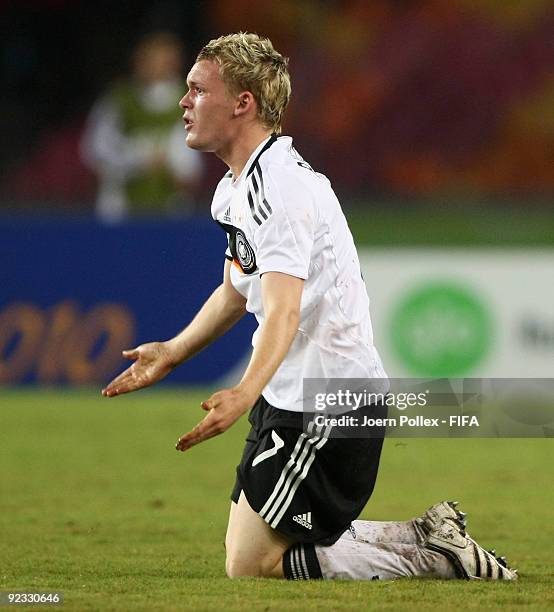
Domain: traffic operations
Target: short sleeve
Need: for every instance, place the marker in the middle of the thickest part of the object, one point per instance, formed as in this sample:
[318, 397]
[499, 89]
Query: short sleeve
[285, 238]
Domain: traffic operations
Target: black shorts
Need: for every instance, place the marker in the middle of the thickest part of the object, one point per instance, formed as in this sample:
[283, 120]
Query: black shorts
[304, 485]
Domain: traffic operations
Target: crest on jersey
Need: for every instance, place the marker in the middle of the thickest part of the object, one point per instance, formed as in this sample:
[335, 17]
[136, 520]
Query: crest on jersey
[243, 253]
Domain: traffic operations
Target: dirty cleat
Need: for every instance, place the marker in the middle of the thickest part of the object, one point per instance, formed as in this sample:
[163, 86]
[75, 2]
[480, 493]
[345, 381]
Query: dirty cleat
[470, 560]
[444, 510]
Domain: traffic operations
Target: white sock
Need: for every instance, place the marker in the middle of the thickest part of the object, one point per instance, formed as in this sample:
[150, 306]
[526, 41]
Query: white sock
[406, 532]
[354, 559]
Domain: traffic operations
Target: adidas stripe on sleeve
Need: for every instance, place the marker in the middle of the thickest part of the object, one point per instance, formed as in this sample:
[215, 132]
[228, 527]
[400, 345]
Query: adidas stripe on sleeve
[284, 235]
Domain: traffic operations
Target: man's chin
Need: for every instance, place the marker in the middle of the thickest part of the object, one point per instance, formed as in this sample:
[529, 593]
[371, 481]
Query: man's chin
[191, 142]
[198, 145]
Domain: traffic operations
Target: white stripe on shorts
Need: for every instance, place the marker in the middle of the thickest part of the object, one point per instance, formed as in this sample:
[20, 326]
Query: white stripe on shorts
[300, 478]
[294, 471]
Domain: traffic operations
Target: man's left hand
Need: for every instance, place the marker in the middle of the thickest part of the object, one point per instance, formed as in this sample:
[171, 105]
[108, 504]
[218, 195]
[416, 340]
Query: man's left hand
[224, 408]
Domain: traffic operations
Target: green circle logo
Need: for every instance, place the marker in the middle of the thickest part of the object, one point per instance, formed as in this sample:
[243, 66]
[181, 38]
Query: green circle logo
[441, 329]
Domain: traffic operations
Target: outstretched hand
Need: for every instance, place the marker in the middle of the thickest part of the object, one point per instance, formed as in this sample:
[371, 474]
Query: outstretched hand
[152, 363]
[224, 408]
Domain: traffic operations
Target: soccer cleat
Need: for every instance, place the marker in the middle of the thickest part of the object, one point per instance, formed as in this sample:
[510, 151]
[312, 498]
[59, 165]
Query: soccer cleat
[445, 510]
[470, 560]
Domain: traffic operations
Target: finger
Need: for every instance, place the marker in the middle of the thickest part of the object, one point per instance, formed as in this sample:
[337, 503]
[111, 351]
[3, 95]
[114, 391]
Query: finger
[131, 353]
[126, 386]
[122, 384]
[211, 402]
[114, 390]
[207, 428]
[118, 379]
[190, 439]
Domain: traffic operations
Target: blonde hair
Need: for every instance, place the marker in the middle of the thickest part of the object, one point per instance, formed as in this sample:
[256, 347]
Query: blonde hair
[249, 62]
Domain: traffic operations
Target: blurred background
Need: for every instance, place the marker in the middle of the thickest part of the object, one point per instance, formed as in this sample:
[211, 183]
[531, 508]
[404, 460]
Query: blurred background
[434, 121]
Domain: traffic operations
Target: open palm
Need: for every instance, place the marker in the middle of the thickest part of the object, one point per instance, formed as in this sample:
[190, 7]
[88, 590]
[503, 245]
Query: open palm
[152, 363]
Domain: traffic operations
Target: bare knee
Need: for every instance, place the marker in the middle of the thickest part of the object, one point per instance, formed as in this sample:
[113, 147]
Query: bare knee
[237, 566]
[253, 547]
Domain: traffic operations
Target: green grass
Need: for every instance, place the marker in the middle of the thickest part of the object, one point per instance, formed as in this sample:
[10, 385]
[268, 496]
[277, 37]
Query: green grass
[455, 224]
[95, 502]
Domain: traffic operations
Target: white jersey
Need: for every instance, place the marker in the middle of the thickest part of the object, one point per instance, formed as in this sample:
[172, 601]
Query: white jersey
[281, 216]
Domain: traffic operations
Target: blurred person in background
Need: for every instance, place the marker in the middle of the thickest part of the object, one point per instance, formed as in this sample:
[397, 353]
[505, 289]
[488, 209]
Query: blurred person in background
[134, 142]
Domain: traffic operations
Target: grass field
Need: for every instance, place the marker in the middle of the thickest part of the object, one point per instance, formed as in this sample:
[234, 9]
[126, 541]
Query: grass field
[95, 502]
[451, 223]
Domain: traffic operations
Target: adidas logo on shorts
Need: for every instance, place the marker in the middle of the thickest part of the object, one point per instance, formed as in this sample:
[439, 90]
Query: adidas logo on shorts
[304, 519]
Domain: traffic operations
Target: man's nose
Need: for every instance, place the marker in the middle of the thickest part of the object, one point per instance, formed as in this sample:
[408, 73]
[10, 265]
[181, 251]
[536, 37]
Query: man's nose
[184, 101]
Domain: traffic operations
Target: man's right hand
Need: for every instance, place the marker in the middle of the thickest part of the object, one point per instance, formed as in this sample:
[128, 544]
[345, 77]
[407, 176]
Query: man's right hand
[153, 361]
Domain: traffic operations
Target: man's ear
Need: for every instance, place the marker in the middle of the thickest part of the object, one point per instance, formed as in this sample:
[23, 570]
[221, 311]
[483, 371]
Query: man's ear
[245, 103]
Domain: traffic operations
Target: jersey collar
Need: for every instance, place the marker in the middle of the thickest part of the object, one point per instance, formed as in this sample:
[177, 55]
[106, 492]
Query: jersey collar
[254, 158]
[269, 142]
